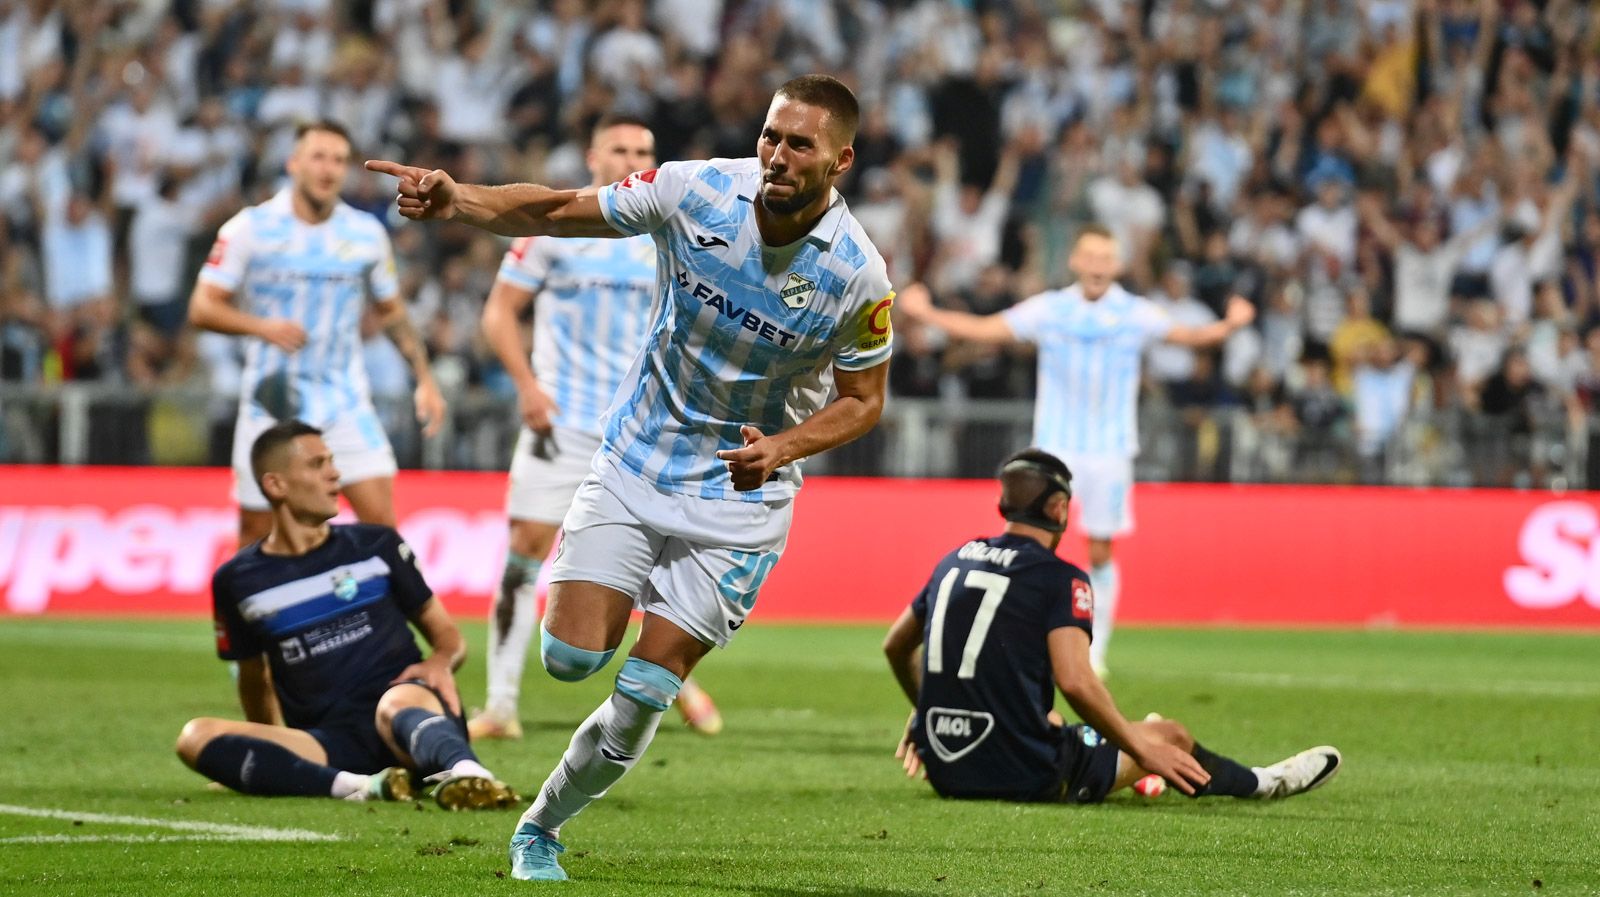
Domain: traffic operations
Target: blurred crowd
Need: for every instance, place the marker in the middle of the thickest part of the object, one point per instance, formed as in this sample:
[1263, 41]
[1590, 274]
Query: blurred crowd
[1407, 189]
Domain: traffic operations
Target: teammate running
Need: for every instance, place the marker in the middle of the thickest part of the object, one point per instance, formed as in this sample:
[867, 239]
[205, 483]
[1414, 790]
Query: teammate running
[1091, 337]
[305, 263]
[593, 304]
[999, 623]
[768, 292]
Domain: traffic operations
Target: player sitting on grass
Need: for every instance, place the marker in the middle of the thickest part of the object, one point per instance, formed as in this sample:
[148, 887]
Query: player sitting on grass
[999, 621]
[338, 699]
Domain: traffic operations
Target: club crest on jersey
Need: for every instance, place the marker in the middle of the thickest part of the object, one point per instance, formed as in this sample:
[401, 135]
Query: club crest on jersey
[1082, 600]
[344, 586]
[797, 292]
[953, 733]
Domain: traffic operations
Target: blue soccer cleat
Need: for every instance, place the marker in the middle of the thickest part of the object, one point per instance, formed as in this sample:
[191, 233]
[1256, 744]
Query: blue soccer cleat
[533, 855]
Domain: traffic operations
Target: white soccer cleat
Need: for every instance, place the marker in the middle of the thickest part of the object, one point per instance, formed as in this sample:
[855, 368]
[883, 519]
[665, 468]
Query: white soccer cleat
[1305, 771]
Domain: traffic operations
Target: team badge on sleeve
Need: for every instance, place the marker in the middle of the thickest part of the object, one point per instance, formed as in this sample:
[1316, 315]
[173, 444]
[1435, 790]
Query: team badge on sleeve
[875, 325]
[1082, 600]
[218, 248]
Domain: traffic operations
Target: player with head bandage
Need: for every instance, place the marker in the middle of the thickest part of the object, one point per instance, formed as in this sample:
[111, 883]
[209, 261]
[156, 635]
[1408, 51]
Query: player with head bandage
[1000, 626]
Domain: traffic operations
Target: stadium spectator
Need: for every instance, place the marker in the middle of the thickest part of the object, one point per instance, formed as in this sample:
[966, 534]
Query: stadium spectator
[983, 683]
[338, 701]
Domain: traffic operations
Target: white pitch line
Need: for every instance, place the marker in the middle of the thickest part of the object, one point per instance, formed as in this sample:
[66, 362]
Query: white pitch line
[1379, 683]
[118, 839]
[219, 831]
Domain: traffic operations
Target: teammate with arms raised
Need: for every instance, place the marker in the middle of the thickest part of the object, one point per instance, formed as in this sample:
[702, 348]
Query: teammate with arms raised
[304, 264]
[1002, 624]
[768, 292]
[338, 701]
[1091, 338]
[592, 303]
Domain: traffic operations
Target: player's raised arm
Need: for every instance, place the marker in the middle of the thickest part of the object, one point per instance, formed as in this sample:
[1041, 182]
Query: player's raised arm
[917, 304]
[1239, 315]
[513, 210]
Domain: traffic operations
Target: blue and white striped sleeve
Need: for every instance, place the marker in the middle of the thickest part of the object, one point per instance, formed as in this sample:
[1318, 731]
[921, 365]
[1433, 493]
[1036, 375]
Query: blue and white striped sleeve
[525, 265]
[1028, 317]
[643, 201]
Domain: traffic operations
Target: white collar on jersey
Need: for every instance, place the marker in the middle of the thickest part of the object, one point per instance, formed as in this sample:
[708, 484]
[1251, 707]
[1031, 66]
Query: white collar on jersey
[827, 228]
[282, 202]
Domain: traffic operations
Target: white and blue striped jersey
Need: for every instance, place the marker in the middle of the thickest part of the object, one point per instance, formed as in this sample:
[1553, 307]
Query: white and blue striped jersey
[741, 332]
[1089, 356]
[319, 275]
[589, 316]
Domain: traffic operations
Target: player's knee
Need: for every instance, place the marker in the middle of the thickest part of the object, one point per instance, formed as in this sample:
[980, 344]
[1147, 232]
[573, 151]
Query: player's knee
[567, 663]
[401, 697]
[649, 684]
[195, 735]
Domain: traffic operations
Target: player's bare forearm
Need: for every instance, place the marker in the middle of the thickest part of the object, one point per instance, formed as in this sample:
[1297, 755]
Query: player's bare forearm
[442, 635]
[398, 327]
[901, 647]
[211, 308]
[256, 697]
[849, 416]
[1089, 699]
[986, 329]
[502, 332]
[531, 210]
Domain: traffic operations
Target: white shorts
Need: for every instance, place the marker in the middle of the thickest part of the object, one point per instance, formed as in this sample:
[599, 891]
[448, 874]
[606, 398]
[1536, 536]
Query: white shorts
[546, 471]
[360, 449]
[1102, 494]
[698, 562]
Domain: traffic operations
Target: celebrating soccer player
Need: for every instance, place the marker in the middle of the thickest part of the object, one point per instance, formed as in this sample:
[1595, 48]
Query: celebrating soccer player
[999, 622]
[768, 293]
[592, 303]
[1091, 337]
[305, 264]
[337, 699]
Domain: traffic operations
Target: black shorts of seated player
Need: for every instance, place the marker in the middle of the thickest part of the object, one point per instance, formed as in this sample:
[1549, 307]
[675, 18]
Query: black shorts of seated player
[338, 700]
[1001, 625]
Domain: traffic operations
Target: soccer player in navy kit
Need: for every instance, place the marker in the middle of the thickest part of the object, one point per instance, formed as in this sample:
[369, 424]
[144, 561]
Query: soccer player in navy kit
[339, 701]
[1000, 624]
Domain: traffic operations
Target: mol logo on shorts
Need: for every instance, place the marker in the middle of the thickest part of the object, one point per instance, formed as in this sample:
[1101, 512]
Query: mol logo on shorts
[953, 733]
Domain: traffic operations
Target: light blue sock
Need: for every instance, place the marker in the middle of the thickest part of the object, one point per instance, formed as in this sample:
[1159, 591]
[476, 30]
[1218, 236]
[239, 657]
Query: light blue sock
[1106, 582]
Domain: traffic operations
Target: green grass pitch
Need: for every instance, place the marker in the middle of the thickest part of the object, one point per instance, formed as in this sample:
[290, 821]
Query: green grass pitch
[1472, 767]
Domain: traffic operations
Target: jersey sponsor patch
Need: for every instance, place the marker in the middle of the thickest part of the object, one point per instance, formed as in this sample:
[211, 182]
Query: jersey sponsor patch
[1082, 600]
[876, 328]
[221, 630]
[954, 733]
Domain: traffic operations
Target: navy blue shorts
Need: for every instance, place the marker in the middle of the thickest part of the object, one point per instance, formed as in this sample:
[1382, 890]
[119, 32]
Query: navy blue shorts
[1087, 763]
[351, 739]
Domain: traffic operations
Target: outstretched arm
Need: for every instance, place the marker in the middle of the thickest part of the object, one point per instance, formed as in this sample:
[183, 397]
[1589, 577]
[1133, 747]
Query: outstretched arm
[513, 210]
[1240, 314]
[917, 304]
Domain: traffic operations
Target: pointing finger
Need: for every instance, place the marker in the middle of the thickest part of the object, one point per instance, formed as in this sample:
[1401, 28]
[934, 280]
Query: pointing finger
[394, 169]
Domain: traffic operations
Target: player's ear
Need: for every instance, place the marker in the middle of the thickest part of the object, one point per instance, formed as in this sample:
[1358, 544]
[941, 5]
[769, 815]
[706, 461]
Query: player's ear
[272, 486]
[846, 161]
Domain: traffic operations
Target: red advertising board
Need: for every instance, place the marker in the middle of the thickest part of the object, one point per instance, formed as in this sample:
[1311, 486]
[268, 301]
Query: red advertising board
[145, 540]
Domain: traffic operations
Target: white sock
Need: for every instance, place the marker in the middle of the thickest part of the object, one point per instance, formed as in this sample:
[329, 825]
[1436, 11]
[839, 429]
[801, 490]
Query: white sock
[346, 784]
[470, 768]
[606, 746]
[511, 624]
[1105, 580]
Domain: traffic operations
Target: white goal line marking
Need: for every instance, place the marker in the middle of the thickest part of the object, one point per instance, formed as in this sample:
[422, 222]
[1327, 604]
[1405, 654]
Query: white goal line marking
[202, 831]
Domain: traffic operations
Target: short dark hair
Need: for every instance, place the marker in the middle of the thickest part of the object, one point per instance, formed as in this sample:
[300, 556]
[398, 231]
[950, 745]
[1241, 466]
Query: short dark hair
[828, 93]
[1027, 480]
[267, 451]
[616, 120]
[326, 125]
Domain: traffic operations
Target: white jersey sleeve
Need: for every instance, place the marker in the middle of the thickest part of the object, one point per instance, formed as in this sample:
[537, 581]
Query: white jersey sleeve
[1028, 317]
[1152, 321]
[230, 253]
[642, 202]
[526, 264]
[866, 339]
